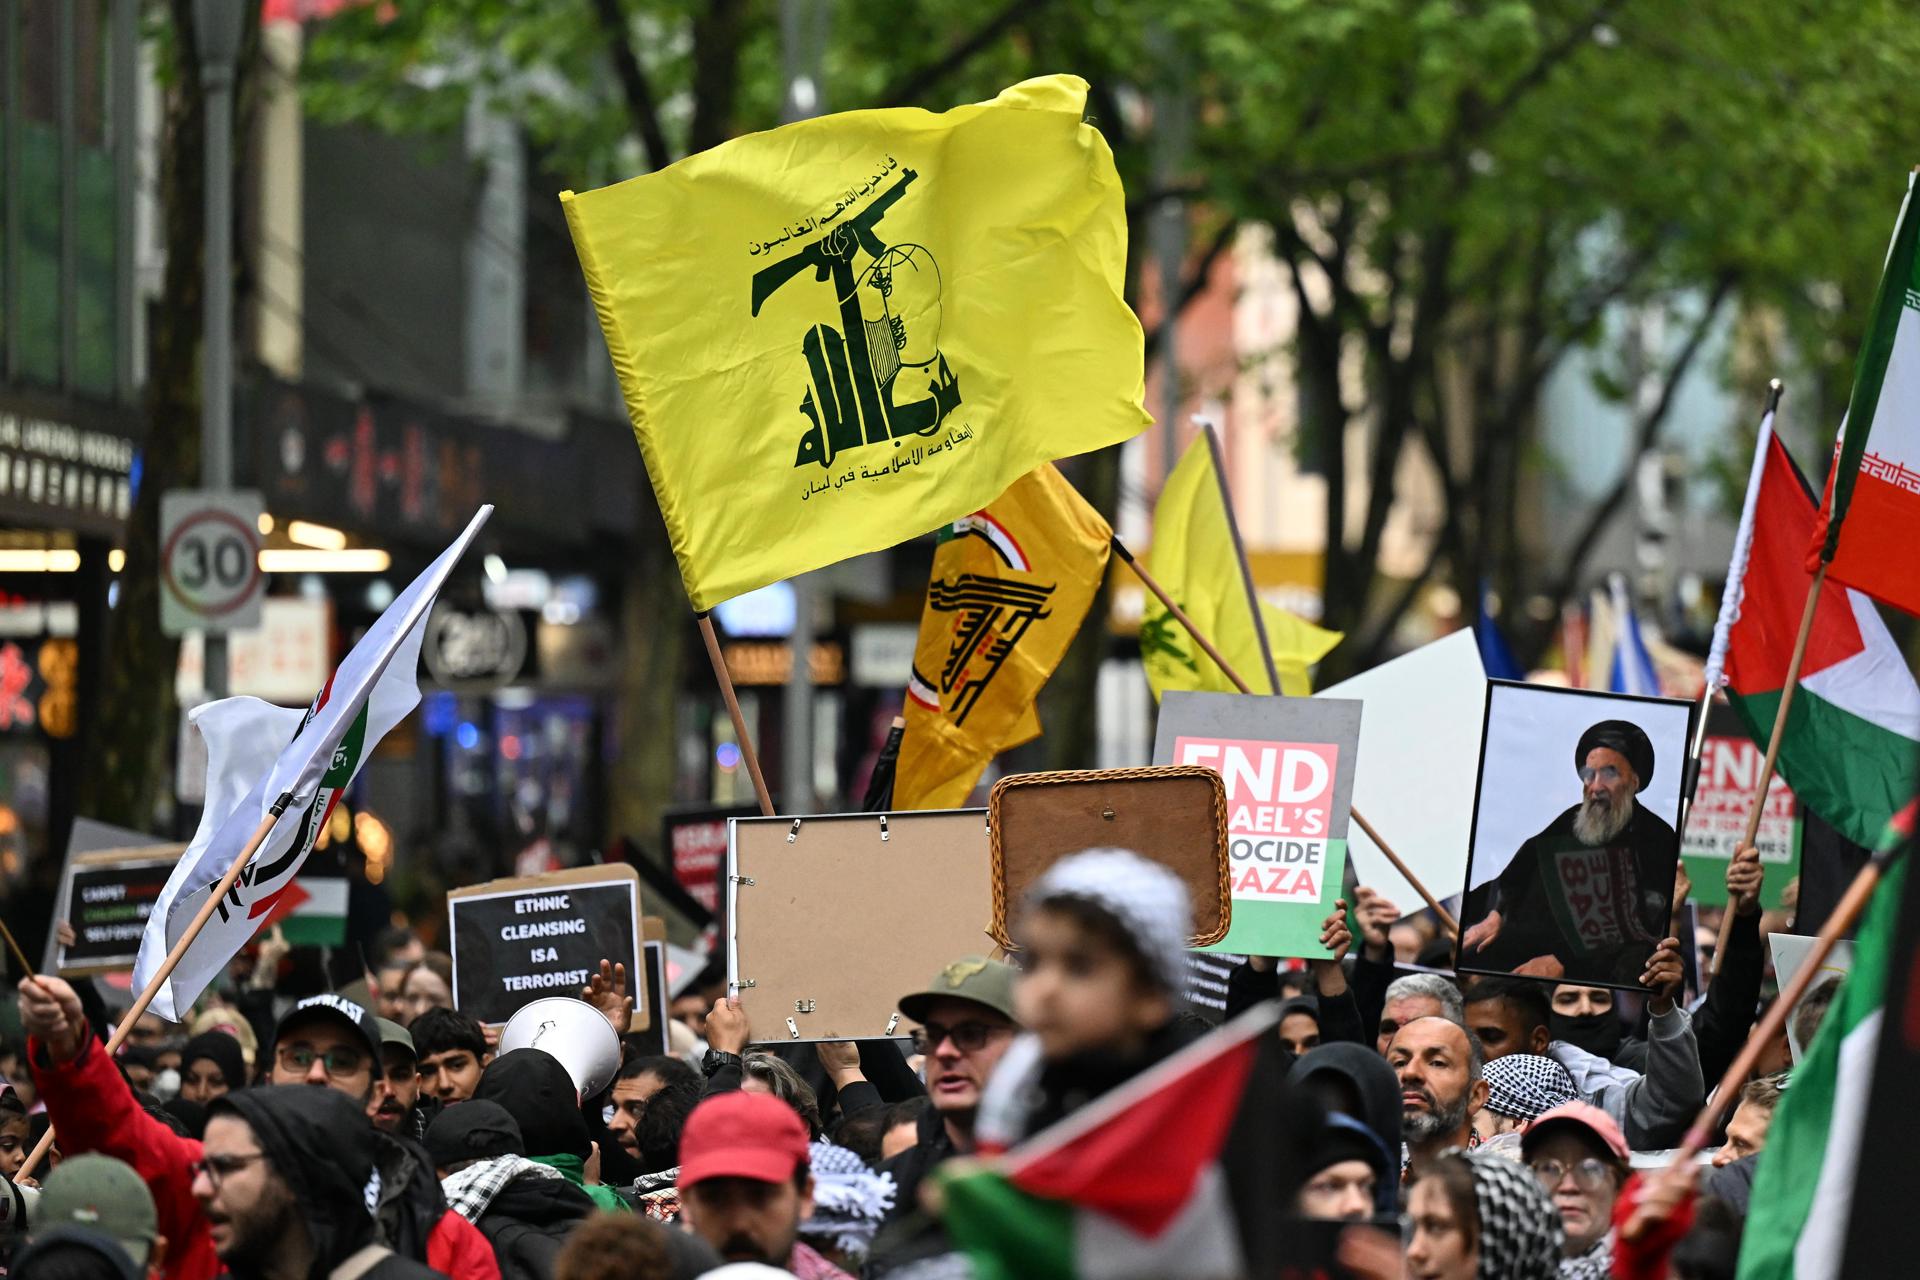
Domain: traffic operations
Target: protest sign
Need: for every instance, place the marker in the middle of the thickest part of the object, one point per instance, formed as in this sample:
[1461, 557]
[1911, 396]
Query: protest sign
[652, 1038]
[1204, 982]
[1790, 951]
[811, 955]
[1730, 764]
[696, 843]
[89, 836]
[1574, 845]
[1288, 766]
[1414, 777]
[105, 898]
[518, 939]
[1174, 815]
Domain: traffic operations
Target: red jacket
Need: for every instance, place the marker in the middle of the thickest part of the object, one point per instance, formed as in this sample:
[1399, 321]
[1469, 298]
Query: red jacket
[92, 1109]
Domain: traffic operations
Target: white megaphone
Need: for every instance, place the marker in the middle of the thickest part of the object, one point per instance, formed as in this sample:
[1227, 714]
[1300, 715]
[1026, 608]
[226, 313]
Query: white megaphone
[577, 1035]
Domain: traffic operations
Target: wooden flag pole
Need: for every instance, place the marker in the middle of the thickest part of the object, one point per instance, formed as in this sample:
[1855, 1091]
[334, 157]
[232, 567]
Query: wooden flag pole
[1240, 554]
[1773, 741]
[1166, 601]
[733, 709]
[1770, 1025]
[19, 956]
[174, 957]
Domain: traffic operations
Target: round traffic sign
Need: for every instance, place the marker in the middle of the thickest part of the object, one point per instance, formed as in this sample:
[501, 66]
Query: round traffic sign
[211, 564]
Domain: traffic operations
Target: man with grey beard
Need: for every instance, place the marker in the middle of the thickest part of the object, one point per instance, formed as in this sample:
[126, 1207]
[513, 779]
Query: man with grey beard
[1586, 899]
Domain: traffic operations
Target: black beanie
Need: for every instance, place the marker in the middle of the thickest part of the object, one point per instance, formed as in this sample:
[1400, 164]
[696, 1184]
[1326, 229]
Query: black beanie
[539, 1094]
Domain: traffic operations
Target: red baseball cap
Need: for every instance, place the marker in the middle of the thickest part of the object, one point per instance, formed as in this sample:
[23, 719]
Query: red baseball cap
[742, 1135]
[1588, 1117]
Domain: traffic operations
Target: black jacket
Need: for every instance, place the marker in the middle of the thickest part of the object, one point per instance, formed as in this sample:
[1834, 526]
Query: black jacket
[908, 1234]
[528, 1221]
[1338, 1016]
[319, 1142]
[410, 1204]
[1356, 1081]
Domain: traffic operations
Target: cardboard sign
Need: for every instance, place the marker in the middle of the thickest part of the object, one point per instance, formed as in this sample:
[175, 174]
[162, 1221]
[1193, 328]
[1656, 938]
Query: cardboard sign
[837, 917]
[87, 837]
[1419, 756]
[1288, 765]
[1730, 764]
[696, 842]
[105, 898]
[652, 1039]
[1790, 951]
[519, 939]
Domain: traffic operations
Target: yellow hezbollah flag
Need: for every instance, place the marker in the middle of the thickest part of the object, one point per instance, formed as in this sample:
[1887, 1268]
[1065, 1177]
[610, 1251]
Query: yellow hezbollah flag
[838, 334]
[1195, 559]
[1009, 588]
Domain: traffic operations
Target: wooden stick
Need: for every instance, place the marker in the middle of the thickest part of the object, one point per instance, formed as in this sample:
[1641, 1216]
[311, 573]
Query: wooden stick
[1240, 553]
[19, 956]
[174, 957]
[1179, 614]
[1773, 742]
[1446, 920]
[733, 709]
[1843, 918]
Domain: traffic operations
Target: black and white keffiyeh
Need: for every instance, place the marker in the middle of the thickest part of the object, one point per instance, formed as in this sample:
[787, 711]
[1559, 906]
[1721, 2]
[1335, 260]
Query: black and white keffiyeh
[1520, 1231]
[473, 1188]
[849, 1199]
[1520, 1086]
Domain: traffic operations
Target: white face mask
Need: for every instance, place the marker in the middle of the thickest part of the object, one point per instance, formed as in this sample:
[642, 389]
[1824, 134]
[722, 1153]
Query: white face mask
[166, 1085]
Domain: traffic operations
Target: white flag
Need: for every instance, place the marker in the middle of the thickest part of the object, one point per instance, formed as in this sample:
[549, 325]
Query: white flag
[371, 691]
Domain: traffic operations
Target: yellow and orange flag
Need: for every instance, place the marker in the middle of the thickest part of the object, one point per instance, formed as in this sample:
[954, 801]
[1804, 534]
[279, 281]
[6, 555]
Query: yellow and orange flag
[1010, 587]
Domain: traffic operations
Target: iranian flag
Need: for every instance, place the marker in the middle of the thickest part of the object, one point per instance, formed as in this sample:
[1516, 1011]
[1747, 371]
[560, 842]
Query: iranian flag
[1803, 1192]
[266, 762]
[1135, 1184]
[1852, 738]
[1874, 486]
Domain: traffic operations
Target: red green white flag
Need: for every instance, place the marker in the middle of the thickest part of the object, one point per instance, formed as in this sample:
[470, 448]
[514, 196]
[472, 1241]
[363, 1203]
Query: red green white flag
[1852, 739]
[1131, 1185]
[1874, 486]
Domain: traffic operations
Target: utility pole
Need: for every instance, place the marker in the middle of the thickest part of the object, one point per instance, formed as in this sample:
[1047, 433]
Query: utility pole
[217, 30]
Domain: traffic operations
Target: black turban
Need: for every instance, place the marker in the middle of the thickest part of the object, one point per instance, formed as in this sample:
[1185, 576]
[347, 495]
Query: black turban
[1625, 737]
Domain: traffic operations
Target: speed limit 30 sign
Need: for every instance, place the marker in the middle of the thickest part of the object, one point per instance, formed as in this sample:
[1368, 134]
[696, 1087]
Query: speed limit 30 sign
[209, 561]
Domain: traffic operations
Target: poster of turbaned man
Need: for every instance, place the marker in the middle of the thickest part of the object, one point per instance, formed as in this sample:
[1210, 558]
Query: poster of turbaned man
[1570, 874]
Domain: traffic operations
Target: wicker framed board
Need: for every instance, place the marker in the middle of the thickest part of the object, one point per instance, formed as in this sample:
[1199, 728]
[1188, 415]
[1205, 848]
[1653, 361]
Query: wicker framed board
[1287, 766]
[1176, 815]
[815, 952]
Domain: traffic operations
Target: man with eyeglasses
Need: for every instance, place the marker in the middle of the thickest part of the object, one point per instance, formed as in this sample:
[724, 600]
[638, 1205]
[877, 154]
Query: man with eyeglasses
[281, 1182]
[330, 1040]
[1586, 899]
[966, 1018]
[1580, 1157]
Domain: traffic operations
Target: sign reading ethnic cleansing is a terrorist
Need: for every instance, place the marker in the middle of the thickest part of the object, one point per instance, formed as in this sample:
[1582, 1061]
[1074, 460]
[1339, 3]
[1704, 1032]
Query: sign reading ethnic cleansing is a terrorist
[1570, 875]
[517, 940]
[1288, 767]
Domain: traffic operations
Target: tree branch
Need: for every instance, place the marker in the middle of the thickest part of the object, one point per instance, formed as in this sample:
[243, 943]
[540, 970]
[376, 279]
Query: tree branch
[1645, 437]
[908, 89]
[1195, 282]
[633, 82]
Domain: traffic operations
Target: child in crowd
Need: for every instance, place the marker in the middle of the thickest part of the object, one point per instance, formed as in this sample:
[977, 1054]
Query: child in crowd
[1102, 938]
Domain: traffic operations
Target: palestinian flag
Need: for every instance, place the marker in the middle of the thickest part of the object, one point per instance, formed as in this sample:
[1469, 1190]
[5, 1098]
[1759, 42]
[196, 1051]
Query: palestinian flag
[1852, 739]
[1875, 482]
[1803, 1191]
[1135, 1184]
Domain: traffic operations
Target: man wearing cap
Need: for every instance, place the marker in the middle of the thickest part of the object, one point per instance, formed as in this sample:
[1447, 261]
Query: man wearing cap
[1587, 897]
[1580, 1157]
[324, 1040]
[746, 1183]
[966, 1022]
[397, 1105]
[100, 1203]
[525, 1210]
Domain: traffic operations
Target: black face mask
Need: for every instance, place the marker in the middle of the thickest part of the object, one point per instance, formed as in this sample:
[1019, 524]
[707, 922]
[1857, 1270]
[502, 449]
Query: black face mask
[1597, 1033]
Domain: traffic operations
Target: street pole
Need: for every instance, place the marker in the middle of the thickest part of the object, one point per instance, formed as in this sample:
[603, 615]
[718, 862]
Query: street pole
[1172, 129]
[217, 29]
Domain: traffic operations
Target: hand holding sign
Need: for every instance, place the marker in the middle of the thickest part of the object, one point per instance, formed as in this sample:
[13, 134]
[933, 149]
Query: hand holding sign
[1664, 974]
[1376, 917]
[727, 1028]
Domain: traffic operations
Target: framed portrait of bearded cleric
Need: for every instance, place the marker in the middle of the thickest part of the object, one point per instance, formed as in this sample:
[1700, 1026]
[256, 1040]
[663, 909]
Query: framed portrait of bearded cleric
[1570, 870]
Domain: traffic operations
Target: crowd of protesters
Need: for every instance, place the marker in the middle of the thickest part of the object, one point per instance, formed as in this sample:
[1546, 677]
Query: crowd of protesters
[1490, 1127]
